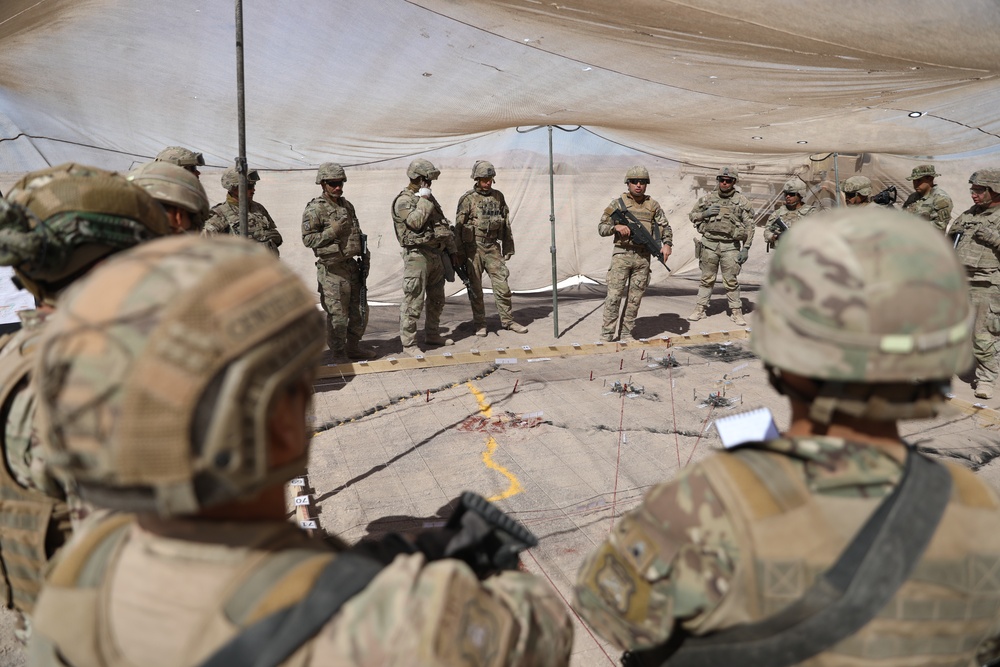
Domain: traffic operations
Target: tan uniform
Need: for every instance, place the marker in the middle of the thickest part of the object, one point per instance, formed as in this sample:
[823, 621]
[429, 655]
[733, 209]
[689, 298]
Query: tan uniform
[978, 249]
[935, 206]
[225, 219]
[174, 597]
[482, 228]
[773, 230]
[722, 238]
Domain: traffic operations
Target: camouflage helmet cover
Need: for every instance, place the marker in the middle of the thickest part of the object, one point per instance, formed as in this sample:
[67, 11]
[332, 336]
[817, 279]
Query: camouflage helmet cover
[157, 384]
[987, 178]
[173, 185]
[637, 171]
[330, 171]
[421, 168]
[231, 178]
[180, 156]
[728, 172]
[859, 184]
[864, 296]
[483, 169]
[795, 185]
[920, 171]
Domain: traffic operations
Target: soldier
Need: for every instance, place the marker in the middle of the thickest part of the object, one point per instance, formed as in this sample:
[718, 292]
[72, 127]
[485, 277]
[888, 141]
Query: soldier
[179, 192]
[427, 241]
[857, 190]
[977, 242]
[628, 274]
[330, 227]
[204, 567]
[482, 231]
[724, 218]
[225, 217]
[182, 157]
[928, 200]
[757, 556]
[56, 225]
[790, 212]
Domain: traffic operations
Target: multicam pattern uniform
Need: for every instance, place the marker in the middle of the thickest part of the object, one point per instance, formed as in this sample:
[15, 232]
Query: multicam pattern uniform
[628, 275]
[722, 237]
[482, 231]
[978, 249]
[739, 536]
[424, 233]
[223, 577]
[935, 206]
[331, 229]
[772, 231]
[225, 219]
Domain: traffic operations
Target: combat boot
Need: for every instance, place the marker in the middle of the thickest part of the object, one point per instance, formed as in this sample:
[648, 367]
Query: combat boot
[984, 390]
[737, 316]
[626, 337]
[437, 340]
[481, 330]
[698, 314]
[516, 328]
[354, 350]
[338, 356]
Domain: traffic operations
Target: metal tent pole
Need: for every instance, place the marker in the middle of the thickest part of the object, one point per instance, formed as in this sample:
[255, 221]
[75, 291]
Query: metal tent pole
[241, 160]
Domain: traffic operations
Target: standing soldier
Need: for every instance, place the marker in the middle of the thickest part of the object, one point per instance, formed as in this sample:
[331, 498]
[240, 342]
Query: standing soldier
[428, 242]
[837, 543]
[330, 227]
[482, 230]
[179, 192]
[724, 218]
[182, 157]
[787, 214]
[928, 200]
[225, 217]
[977, 243]
[857, 190]
[628, 275]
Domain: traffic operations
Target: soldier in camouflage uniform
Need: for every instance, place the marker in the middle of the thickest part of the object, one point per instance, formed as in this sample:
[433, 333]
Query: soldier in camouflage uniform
[628, 275]
[857, 190]
[203, 549]
[978, 247]
[427, 241]
[725, 220]
[225, 217]
[484, 238]
[928, 200]
[741, 536]
[789, 213]
[179, 192]
[182, 157]
[56, 225]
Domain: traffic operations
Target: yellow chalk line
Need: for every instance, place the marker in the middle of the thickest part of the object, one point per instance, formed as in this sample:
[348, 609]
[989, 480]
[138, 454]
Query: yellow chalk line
[491, 446]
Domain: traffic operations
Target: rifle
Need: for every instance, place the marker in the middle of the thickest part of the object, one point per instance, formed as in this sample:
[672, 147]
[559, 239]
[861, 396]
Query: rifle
[782, 228]
[639, 234]
[364, 264]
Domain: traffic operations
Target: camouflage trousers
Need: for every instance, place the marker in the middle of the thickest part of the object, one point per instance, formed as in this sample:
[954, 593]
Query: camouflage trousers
[340, 296]
[985, 299]
[423, 280]
[490, 260]
[716, 255]
[628, 277]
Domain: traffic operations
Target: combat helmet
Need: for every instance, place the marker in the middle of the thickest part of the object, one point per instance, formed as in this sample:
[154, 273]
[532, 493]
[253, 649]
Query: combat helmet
[173, 185]
[180, 156]
[329, 171]
[421, 168]
[57, 223]
[728, 172]
[920, 171]
[795, 185]
[156, 391]
[987, 178]
[870, 306]
[483, 169]
[231, 178]
[637, 171]
[862, 185]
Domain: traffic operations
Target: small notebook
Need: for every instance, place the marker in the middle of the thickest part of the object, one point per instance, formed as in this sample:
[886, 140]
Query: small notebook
[752, 426]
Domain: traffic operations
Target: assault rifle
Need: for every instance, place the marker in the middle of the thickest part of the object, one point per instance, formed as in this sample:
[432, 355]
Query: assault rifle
[782, 228]
[639, 235]
[364, 263]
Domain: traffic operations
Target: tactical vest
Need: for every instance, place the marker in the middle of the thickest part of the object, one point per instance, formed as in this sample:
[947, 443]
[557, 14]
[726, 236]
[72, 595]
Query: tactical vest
[977, 257]
[645, 216]
[348, 242]
[489, 215]
[32, 525]
[725, 225]
[788, 537]
[409, 238]
[934, 207]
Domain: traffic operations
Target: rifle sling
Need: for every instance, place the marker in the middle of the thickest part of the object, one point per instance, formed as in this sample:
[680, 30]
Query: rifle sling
[271, 640]
[846, 597]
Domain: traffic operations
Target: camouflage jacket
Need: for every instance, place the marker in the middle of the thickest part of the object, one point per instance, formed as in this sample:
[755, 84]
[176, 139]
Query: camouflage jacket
[483, 219]
[740, 535]
[225, 219]
[331, 228]
[419, 221]
[649, 213]
[734, 222]
[935, 206]
[773, 230]
[978, 242]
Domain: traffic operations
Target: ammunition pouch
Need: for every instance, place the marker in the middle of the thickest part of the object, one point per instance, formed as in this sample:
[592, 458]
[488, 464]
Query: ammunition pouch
[722, 224]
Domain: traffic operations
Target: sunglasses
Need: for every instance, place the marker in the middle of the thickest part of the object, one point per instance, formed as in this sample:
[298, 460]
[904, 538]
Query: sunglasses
[637, 181]
[791, 193]
[727, 180]
[333, 184]
[852, 195]
[978, 190]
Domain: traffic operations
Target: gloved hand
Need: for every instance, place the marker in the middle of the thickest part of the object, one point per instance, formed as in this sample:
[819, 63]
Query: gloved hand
[743, 256]
[424, 192]
[987, 234]
[711, 212]
[507, 256]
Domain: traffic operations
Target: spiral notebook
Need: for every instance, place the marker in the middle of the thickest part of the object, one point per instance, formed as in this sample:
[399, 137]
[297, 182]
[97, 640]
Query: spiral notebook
[751, 426]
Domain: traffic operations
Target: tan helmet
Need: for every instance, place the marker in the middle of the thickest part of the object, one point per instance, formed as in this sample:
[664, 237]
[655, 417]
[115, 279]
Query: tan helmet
[923, 170]
[159, 370]
[170, 184]
[59, 222]
[987, 178]
[180, 156]
[728, 172]
[329, 171]
[862, 185]
[483, 169]
[637, 171]
[231, 178]
[795, 185]
[872, 307]
[421, 168]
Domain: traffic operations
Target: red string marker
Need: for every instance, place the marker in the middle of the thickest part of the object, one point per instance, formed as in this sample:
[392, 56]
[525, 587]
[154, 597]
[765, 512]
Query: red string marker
[643, 356]
[621, 365]
[428, 395]
[515, 385]
[591, 376]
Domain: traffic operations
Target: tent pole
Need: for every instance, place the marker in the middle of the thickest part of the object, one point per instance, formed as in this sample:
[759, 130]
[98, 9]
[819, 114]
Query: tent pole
[836, 181]
[552, 247]
[241, 161]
